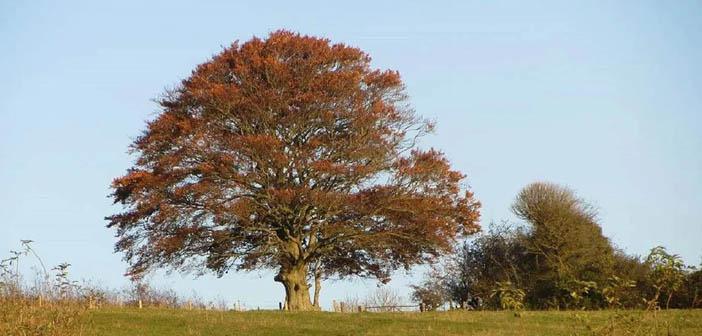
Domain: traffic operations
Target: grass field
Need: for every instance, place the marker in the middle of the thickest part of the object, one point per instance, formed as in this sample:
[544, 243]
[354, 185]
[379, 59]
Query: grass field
[109, 322]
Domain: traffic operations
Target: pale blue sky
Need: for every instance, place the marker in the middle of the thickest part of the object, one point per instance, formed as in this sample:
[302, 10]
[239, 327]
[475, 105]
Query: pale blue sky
[602, 96]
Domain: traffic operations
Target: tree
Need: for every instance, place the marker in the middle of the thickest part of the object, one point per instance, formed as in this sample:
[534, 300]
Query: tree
[667, 273]
[431, 293]
[616, 289]
[282, 153]
[631, 268]
[693, 284]
[510, 297]
[467, 277]
[566, 244]
[496, 255]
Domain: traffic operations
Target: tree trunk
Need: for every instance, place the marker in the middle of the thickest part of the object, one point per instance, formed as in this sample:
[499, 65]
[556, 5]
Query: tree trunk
[297, 292]
[317, 288]
[654, 301]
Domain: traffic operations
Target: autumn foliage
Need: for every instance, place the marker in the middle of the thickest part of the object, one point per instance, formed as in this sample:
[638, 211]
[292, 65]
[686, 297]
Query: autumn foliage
[289, 153]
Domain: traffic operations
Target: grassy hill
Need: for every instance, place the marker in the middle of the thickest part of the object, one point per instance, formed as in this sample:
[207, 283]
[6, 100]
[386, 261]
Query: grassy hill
[114, 322]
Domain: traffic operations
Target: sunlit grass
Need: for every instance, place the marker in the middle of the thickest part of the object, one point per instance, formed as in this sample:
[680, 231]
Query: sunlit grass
[27, 317]
[199, 322]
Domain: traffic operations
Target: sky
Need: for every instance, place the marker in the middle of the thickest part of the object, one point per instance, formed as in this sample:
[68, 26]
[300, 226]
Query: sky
[600, 96]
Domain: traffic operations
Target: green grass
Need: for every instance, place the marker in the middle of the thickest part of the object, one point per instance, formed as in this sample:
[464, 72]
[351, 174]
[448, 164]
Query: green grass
[108, 322]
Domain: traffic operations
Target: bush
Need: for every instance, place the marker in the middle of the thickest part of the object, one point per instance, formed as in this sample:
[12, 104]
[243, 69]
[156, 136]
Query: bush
[431, 295]
[509, 296]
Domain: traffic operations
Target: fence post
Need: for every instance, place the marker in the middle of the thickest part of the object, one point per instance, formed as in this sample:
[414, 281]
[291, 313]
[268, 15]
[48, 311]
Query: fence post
[280, 306]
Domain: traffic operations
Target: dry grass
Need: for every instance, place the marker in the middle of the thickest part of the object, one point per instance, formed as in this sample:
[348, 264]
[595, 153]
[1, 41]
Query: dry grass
[20, 316]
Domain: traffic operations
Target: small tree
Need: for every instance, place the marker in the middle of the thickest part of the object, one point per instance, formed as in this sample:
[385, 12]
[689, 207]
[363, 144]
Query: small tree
[430, 294]
[615, 289]
[495, 255]
[509, 296]
[667, 273]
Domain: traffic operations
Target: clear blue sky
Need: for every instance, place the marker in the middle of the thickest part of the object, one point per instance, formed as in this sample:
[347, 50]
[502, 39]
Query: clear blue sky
[602, 96]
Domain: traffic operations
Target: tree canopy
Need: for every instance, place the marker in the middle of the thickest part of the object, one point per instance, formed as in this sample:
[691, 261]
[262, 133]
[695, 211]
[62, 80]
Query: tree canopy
[289, 153]
[565, 242]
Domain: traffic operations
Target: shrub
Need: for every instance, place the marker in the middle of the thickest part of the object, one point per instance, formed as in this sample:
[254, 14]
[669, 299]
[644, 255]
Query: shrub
[431, 295]
[510, 297]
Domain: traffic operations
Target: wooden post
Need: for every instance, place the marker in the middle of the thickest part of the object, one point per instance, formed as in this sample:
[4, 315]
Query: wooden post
[280, 306]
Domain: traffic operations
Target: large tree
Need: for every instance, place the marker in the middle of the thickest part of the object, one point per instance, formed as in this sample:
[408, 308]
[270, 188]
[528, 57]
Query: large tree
[568, 250]
[288, 153]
